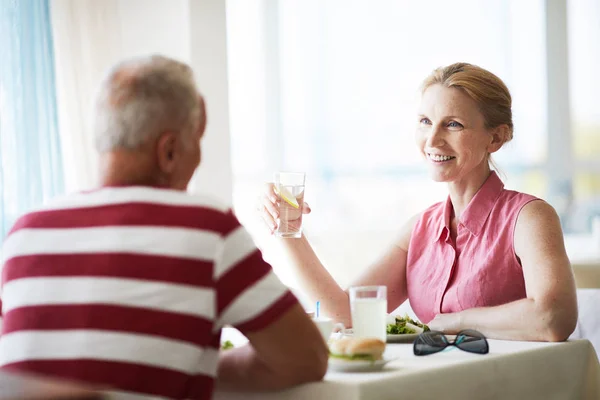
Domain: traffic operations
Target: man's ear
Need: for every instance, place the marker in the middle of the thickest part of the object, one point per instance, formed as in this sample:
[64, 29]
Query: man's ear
[165, 151]
[500, 135]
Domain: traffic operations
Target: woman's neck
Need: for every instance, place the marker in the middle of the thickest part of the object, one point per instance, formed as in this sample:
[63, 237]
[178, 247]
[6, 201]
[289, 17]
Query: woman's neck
[463, 190]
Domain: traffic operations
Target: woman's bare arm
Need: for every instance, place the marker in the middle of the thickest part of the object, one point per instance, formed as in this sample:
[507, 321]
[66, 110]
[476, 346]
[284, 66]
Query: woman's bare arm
[549, 313]
[319, 285]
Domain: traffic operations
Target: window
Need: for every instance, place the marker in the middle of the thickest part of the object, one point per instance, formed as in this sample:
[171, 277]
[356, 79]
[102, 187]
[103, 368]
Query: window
[30, 164]
[584, 84]
[331, 88]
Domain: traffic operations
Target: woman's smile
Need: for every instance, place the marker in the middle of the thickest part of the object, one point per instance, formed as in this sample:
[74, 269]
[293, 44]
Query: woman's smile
[439, 158]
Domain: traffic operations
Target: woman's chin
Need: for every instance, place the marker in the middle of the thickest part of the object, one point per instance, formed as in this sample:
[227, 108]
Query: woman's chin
[437, 177]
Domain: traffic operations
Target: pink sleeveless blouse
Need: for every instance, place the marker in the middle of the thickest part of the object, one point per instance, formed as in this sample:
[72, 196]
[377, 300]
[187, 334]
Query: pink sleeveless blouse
[481, 268]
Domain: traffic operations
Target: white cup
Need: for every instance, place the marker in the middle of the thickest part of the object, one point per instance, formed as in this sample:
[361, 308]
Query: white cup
[326, 327]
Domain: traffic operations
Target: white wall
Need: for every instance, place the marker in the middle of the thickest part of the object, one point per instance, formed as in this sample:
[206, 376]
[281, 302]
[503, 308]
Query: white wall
[155, 26]
[193, 32]
[208, 39]
[91, 35]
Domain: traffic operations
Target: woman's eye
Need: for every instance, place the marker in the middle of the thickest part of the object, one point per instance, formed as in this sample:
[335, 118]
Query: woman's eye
[425, 121]
[454, 124]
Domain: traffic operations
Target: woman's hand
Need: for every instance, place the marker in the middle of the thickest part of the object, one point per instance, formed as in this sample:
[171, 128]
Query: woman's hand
[448, 323]
[268, 207]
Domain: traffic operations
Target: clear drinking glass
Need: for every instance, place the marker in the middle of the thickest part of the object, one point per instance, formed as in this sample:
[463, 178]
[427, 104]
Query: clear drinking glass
[290, 189]
[368, 305]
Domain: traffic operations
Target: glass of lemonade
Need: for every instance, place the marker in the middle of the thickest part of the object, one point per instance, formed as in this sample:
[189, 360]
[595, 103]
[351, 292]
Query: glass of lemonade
[368, 305]
[290, 189]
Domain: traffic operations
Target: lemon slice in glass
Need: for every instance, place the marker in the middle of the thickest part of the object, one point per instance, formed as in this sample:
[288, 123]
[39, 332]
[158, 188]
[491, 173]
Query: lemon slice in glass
[288, 197]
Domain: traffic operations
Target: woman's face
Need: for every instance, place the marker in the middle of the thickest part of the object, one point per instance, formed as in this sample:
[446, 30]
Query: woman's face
[451, 134]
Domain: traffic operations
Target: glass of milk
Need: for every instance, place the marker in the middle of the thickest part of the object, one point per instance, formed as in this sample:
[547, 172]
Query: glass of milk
[368, 305]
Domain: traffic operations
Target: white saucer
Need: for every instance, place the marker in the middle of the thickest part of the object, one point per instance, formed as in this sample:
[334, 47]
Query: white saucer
[399, 338]
[339, 365]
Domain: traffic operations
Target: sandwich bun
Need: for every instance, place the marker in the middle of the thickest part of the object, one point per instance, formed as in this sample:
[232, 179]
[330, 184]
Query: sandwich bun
[353, 349]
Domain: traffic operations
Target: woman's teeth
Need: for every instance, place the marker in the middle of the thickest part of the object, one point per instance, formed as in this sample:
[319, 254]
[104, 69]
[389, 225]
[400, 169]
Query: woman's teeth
[439, 158]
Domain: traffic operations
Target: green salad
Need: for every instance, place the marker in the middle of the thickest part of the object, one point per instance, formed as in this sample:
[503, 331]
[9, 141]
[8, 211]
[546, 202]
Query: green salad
[227, 345]
[406, 325]
[366, 357]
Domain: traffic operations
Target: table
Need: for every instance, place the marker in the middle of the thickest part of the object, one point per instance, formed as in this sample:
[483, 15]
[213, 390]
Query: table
[588, 323]
[512, 370]
[30, 387]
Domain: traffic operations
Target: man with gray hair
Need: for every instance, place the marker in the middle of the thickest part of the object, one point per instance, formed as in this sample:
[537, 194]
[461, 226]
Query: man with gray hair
[128, 286]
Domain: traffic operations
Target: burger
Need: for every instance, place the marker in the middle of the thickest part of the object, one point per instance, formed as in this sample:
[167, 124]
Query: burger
[357, 349]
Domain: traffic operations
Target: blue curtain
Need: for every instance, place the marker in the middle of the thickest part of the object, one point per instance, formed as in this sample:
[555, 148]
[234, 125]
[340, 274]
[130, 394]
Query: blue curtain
[30, 159]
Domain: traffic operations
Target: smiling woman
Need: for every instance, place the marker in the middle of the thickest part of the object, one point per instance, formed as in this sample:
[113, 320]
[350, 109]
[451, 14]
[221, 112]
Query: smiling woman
[465, 112]
[483, 258]
[309, 91]
[465, 117]
[483, 103]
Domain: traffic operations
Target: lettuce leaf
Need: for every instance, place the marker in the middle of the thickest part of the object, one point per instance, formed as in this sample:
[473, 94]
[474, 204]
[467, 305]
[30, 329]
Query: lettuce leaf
[227, 345]
[366, 357]
[400, 328]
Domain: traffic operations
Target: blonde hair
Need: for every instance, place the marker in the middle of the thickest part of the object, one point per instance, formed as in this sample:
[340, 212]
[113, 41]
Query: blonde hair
[143, 97]
[486, 89]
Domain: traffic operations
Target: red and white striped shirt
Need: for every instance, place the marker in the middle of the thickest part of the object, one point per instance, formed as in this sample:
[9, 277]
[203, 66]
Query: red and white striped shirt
[129, 287]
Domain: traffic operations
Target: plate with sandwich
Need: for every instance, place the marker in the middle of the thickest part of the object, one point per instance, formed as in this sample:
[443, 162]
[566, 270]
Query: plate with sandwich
[350, 354]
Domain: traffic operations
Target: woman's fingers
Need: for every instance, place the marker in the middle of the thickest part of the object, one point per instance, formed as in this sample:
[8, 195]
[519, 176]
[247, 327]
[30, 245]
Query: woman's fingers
[306, 208]
[270, 192]
[270, 206]
[268, 219]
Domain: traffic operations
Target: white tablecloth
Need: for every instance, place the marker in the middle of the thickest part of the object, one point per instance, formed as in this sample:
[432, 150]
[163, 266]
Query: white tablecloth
[512, 370]
[588, 323]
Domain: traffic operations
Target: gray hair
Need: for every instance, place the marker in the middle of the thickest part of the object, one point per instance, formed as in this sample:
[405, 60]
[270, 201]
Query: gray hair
[143, 97]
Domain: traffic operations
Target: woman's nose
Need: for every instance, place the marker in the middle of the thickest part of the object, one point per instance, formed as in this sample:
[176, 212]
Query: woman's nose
[435, 138]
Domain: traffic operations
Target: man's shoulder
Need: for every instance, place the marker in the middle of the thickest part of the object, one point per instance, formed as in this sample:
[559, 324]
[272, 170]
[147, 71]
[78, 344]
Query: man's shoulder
[131, 206]
[137, 195]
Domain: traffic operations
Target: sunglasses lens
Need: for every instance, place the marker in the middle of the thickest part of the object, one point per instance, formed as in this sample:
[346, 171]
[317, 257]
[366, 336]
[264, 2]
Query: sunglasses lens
[472, 341]
[429, 343]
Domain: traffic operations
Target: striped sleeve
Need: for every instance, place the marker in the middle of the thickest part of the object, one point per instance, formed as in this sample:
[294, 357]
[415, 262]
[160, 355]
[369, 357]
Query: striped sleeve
[249, 294]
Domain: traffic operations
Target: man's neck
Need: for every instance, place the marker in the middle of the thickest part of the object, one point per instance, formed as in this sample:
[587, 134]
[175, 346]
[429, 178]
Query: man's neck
[129, 168]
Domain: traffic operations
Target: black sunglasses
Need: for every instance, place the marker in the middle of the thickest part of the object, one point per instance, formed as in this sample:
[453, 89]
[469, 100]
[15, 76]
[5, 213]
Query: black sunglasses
[433, 341]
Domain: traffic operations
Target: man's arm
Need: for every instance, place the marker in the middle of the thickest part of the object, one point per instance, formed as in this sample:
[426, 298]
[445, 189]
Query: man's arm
[288, 352]
[285, 348]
